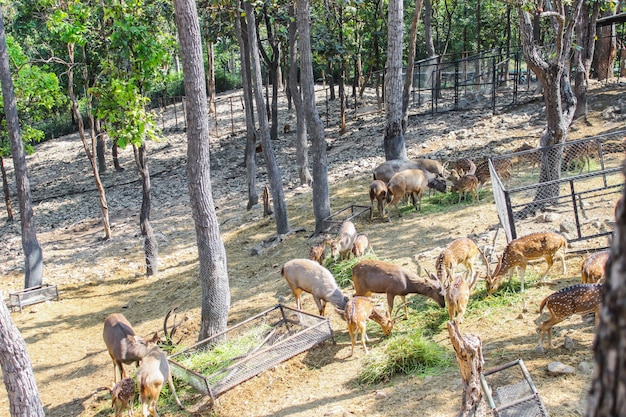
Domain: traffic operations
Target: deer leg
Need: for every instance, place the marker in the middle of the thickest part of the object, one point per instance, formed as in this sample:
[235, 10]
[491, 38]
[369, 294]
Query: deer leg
[353, 335]
[390, 298]
[522, 273]
[406, 309]
[550, 261]
[563, 262]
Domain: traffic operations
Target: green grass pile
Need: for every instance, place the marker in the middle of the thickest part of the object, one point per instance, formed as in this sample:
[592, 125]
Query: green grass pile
[342, 270]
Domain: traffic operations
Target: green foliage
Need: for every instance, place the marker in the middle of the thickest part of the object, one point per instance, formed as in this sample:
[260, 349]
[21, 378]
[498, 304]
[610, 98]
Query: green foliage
[342, 270]
[410, 354]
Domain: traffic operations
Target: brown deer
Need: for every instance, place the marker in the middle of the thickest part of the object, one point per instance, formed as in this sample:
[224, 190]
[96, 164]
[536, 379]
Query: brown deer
[593, 268]
[502, 167]
[373, 276]
[464, 185]
[412, 182]
[358, 310]
[526, 248]
[361, 243]
[465, 166]
[457, 296]
[123, 345]
[576, 299]
[378, 192]
[151, 375]
[305, 275]
[461, 251]
[318, 252]
[123, 396]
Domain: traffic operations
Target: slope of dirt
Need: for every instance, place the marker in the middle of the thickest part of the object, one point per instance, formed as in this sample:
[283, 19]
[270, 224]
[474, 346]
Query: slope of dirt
[97, 277]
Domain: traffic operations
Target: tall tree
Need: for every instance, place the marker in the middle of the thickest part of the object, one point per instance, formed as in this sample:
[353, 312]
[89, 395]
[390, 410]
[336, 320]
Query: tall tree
[273, 170]
[17, 371]
[393, 141]
[606, 396]
[552, 72]
[410, 67]
[583, 54]
[315, 127]
[33, 256]
[211, 251]
[302, 153]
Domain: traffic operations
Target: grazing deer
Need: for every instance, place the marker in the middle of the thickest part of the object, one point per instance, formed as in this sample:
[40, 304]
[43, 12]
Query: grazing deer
[378, 192]
[372, 276]
[123, 345]
[576, 299]
[358, 310]
[305, 275]
[342, 247]
[461, 251]
[318, 252]
[463, 185]
[411, 182]
[361, 243]
[151, 375]
[593, 267]
[526, 248]
[123, 396]
[457, 296]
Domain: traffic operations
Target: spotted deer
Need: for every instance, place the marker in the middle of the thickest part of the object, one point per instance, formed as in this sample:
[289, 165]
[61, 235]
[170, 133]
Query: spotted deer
[520, 251]
[123, 396]
[457, 297]
[358, 310]
[593, 267]
[318, 252]
[461, 251]
[464, 184]
[576, 299]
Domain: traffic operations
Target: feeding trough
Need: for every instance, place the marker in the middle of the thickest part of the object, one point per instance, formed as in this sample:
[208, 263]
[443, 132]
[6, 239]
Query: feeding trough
[33, 295]
[220, 362]
[332, 223]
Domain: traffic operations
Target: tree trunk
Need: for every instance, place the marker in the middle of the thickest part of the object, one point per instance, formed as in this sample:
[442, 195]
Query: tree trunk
[7, 191]
[583, 56]
[394, 137]
[17, 371]
[211, 76]
[273, 170]
[302, 152]
[211, 251]
[100, 148]
[33, 258]
[606, 396]
[104, 208]
[116, 161]
[150, 246]
[241, 29]
[315, 127]
[469, 356]
[408, 78]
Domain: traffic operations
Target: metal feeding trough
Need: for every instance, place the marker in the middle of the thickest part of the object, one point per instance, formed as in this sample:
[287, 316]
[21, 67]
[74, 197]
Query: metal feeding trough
[512, 393]
[33, 295]
[332, 223]
[220, 362]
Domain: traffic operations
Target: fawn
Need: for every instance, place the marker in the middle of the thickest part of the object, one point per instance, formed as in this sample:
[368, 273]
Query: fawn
[358, 310]
[123, 396]
[592, 269]
[576, 299]
[460, 251]
[526, 248]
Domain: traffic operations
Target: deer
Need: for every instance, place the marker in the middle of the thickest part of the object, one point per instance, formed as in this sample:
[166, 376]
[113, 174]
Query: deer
[305, 275]
[593, 267]
[457, 295]
[502, 167]
[378, 192]
[526, 248]
[410, 181]
[463, 185]
[373, 276]
[576, 299]
[361, 243]
[460, 251]
[123, 396]
[342, 246]
[124, 346]
[318, 252]
[151, 375]
[433, 170]
[358, 310]
[465, 166]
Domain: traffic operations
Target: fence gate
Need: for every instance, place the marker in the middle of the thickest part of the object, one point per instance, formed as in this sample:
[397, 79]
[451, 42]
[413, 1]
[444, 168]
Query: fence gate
[575, 192]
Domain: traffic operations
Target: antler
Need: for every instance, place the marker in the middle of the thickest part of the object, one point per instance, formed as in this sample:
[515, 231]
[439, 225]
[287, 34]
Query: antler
[168, 337]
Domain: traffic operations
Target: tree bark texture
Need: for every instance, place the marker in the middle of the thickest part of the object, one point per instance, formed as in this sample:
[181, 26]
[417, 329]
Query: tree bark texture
[583, 56]
[211, 251]
[393, 141]
[101, 147]
[7, 191]
[150, 246]
[17, 371]
[33, 257]
[315, 127]
[607, 396]
[302, 148]
[273, 170]
[469, 355]
[241, 29]
[408, 78]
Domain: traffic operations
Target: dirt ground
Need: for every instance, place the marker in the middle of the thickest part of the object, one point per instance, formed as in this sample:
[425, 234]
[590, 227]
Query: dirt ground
[97, 277]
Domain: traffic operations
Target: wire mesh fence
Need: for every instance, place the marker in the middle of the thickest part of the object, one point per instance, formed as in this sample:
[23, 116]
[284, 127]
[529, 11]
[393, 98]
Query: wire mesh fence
[574, 185]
